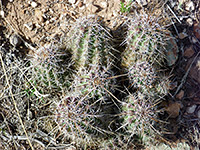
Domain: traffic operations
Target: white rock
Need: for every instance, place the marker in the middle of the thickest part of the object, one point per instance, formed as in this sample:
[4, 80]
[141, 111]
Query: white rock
[15, 40]
[191, 109]
[189, 6]
[29, 26]
[2, 13]
[142, 2]
[72, 1]
[34, 4]
[103, 4]
[189, 21]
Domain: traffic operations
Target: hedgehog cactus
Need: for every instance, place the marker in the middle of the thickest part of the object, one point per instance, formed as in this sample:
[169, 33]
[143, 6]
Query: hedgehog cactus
[91, 59]
[49, 68]
[75, 118]
[145, 51]
[89, 44]
[138, 113]
[92, 82]
[145, 40]
[142, 60]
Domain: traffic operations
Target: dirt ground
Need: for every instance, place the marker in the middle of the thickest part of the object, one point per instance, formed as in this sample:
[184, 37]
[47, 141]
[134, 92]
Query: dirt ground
[37, 23]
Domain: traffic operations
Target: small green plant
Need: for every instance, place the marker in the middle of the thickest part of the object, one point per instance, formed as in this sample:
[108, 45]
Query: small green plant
[125, 8]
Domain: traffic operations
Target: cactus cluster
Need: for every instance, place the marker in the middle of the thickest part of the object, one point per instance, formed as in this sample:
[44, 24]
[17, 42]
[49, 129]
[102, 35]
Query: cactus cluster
[87, 76]
[142, 60]
[91, 81]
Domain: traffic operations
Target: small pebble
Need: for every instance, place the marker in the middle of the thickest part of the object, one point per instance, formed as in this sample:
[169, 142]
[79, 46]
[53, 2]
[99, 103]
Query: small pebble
[39, 15]
[180, 95]
[92, 8]
[189, 21]
[2, 13]
[80, 4]
[182, 35]
[29, 26]
[15, 40]
[191, 109]
[196, 30]
[142, 2]
[34, 4]
[189, 52]
[72, 1]
[103, 4]
[189, 6]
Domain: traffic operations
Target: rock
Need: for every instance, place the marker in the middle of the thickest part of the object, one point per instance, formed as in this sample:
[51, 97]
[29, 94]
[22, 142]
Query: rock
[15, 40]
[189, 21]
[92, 8]
[2, 13]
[182, 35]
[173, 109]
[189, 6]
[103, 4]
[196, 30]
[191, 109]
[142, 2]
[34, 4]
[189, 52]
[171, 50]
[29, 26]
[80, 4]
[195, 70]
[72, 1]
[180, 95]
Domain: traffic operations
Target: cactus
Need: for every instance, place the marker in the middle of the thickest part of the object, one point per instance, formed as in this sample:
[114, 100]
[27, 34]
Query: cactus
[75, 118]
[89, 44]
[92, 83]
[138, 113]
[145, 40]
[142, 60]
[49, 69]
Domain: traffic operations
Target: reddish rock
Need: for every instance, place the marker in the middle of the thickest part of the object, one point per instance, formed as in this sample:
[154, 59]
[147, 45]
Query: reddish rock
[195, 70]
[173, 109]
[196, 30]
[189, 52]
[180, 95]
[171, 50]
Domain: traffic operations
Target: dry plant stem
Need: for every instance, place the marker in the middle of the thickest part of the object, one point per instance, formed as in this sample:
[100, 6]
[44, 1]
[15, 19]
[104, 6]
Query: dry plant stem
[174, 14]
[14, 102]
[8, 130]
[186, 74]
